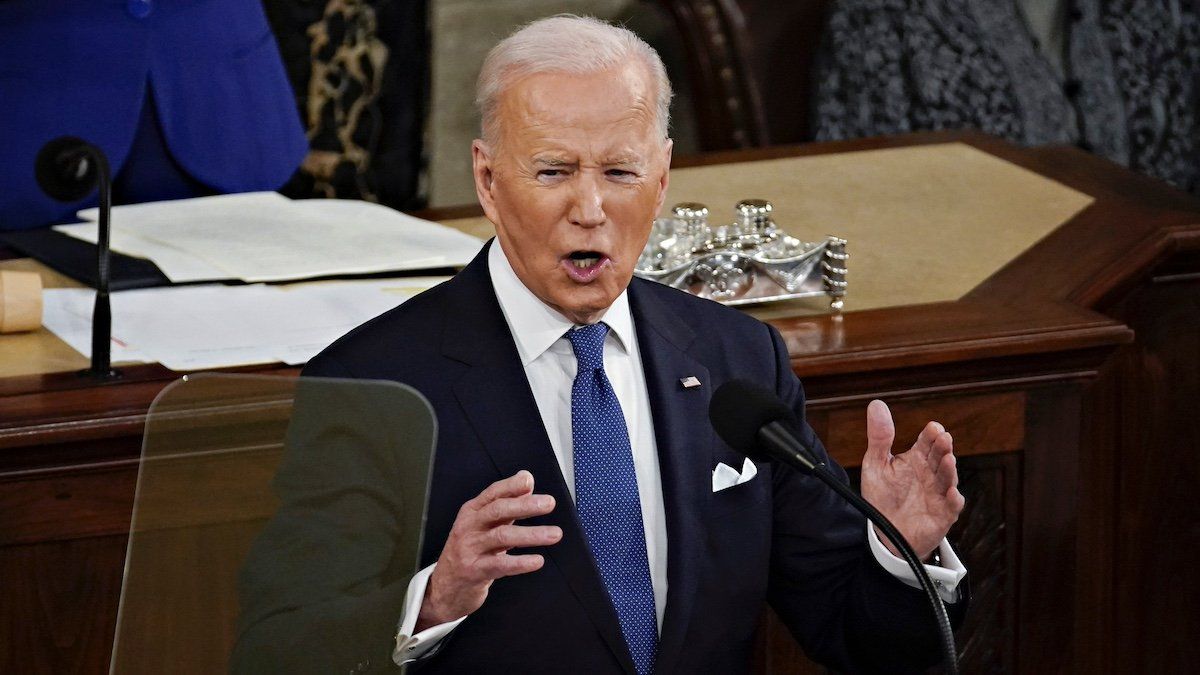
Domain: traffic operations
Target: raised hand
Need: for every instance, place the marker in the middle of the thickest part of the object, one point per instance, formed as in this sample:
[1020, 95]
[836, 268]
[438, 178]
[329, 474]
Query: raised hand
[916, 490]
[476, 552]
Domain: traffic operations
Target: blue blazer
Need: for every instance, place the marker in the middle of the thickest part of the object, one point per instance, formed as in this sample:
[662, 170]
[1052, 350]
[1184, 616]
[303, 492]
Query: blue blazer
[781, 538]
[84, 68]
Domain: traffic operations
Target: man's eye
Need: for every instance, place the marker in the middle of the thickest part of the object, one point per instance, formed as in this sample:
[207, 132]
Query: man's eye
[621, 173]
[551, 173]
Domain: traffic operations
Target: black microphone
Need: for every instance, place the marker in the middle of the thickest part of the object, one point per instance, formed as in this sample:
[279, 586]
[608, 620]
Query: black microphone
[67, 168]
[753, 421]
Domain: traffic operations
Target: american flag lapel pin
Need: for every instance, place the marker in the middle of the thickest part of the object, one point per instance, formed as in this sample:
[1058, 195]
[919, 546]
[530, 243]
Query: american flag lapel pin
[689, 382]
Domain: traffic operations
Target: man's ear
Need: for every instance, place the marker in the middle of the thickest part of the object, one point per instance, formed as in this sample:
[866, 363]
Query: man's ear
[482, 168]
[665, 181]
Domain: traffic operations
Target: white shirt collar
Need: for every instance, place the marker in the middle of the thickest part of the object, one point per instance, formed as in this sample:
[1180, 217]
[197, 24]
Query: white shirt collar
[535, 326]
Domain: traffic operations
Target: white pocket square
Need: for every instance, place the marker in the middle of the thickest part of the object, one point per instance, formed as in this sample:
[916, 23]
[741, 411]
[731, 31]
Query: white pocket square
[725, 476]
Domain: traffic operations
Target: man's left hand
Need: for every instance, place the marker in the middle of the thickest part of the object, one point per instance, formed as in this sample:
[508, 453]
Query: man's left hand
[916, 490]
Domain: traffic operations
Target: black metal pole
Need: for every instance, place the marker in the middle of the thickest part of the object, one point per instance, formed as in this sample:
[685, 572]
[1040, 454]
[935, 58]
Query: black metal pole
[102, 310]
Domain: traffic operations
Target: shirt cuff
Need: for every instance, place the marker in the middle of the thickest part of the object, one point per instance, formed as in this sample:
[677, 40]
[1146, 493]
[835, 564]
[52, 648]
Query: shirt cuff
[945, 579]
[410, 647]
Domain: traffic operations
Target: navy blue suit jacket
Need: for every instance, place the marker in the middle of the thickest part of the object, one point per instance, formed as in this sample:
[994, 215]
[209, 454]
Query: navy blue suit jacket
[84, 68]
[781, 538]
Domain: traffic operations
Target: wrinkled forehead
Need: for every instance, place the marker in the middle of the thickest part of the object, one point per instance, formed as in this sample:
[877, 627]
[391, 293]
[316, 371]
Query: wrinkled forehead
[616, 105]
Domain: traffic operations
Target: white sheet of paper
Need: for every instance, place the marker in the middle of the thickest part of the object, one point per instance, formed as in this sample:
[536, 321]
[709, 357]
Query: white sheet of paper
[215, 326]
[179, 266]
[153, 212]
[68, 314]
[263, 236]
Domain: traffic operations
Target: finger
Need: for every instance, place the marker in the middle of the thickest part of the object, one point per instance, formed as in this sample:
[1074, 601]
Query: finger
[947, 472]
[520, 483]
[508, 509]
[516, 565]
[497, 566]
[925, 439]
[956, 501]
[881, 432]
[508, 537]
[942, 445]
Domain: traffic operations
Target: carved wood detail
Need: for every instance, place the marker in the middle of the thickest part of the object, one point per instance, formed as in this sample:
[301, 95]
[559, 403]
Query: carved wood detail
[728, 105]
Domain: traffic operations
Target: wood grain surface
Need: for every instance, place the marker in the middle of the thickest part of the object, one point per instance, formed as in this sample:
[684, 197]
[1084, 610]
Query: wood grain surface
[1068, 375]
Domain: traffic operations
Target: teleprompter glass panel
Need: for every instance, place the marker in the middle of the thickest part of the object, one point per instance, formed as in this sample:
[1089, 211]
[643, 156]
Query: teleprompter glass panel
[275, 520]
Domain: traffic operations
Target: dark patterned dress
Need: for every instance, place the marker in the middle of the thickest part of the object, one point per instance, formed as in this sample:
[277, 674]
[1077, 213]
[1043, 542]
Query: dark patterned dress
[1131, 90]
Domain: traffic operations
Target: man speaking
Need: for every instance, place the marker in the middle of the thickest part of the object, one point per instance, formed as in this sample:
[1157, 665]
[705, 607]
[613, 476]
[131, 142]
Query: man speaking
[578, 519]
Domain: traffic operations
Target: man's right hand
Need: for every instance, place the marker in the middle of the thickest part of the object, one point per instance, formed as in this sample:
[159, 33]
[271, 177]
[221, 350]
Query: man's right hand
[476, 552]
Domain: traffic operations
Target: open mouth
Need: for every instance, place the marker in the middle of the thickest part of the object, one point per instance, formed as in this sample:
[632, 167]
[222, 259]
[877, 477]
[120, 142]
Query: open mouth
[584, 259]
[584, 266]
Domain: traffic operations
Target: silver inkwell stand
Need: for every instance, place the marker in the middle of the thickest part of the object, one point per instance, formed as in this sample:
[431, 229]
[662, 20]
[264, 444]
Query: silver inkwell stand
[750, 260]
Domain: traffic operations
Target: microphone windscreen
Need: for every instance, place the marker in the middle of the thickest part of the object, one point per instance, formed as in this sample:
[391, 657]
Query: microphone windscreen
[740, 408]
[65, 170]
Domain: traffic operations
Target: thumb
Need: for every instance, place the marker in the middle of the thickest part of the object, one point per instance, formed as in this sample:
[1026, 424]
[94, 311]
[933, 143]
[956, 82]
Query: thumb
[881, 432]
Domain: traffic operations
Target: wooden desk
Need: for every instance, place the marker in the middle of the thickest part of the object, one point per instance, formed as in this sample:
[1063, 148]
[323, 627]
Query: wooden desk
[1036, 370]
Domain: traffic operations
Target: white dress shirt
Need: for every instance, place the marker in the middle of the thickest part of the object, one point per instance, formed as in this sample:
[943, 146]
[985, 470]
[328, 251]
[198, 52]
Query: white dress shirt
[549, 363]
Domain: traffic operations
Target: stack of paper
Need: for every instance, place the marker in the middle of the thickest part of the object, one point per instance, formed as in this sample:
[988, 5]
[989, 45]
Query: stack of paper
[264, 236]
[215, 326]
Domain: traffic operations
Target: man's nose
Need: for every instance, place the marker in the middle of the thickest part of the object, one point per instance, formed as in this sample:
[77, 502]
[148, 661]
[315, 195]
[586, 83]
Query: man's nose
[587, 209]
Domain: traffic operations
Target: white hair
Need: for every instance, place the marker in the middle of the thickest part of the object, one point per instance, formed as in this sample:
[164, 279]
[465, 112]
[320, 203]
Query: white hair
[566, 43]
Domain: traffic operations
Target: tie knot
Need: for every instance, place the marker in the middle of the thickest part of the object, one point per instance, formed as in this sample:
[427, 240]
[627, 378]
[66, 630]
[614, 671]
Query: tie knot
[588, 343]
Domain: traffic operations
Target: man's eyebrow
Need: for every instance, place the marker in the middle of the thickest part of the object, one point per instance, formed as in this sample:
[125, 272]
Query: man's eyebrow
[553, 160]
[629, 160]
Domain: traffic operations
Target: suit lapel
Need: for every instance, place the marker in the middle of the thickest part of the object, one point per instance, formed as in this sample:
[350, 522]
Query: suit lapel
[498, 403]
[684, 451]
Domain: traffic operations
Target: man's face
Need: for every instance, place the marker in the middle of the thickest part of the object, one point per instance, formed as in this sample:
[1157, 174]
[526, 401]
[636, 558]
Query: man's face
[573, 187]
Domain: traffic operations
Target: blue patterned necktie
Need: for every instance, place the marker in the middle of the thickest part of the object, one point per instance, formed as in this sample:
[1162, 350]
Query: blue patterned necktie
[606, 496]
